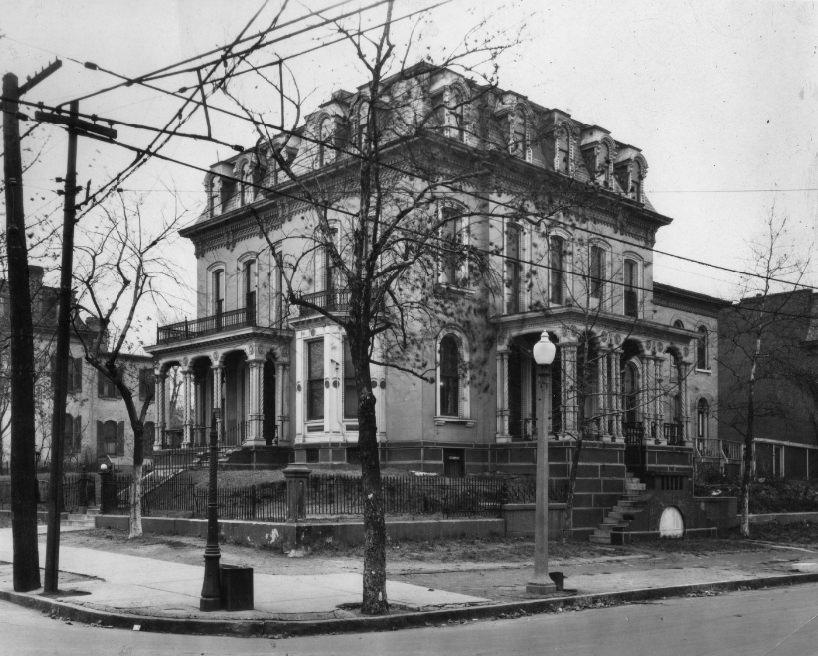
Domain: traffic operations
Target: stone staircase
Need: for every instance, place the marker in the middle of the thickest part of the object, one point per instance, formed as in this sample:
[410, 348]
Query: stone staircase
[619, 517]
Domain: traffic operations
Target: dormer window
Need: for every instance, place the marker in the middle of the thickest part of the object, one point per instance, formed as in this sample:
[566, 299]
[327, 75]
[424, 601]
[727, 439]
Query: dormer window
[519, 137]
[326, 152]
[215, 192]
[636, 182]
[454, 113]
[246, 184]
[603, 167]
[563, 152]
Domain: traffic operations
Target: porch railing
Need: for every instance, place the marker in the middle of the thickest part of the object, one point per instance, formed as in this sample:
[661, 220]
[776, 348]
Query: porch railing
[634, 432]
[674, 434]
[190, 329]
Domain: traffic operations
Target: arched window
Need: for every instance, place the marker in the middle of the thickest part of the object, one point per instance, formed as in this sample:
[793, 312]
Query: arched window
[603, 171]
[631, 291]
[678, 324]
[249, 275]
[630, 394]
[702, 416]
[449, 377]
[217, 292]
[701, 349]
[110, 438]
[514, 269]
[597, 271]
[556, 262]
[453, 237]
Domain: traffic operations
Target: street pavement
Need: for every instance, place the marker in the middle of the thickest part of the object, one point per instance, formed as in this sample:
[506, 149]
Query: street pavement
[114, 589]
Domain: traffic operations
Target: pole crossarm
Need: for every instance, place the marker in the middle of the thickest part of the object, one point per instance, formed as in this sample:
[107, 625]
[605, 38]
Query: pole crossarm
[76, 124]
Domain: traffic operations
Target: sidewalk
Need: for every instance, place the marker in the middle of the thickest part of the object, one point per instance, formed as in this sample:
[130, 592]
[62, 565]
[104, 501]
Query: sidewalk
[121, 590]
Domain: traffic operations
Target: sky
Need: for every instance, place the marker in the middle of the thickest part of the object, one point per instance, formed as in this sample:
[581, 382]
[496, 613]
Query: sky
[721, 97]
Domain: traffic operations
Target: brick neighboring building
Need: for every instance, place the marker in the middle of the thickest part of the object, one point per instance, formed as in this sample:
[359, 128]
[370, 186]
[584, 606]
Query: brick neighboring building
[282, 376]
[786, 389]
[96, 422]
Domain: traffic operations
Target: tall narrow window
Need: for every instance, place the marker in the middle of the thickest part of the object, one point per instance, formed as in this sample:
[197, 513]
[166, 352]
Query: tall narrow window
[315, 380]
[146, 383]
[519, 135]
[250, 291]
[449, 376]
[631, 289]
[451, 245]
[636, 182]
[701, 349]
[350, 388]
[557, 266]
[218, 292]
[702, 413]
[597, 271]
[514, 269]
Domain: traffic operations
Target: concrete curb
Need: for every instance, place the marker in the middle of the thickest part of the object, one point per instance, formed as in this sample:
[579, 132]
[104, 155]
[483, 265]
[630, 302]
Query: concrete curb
[283, 628]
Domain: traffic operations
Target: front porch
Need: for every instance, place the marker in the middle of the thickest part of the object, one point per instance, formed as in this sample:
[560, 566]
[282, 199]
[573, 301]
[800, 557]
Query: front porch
[223, 372]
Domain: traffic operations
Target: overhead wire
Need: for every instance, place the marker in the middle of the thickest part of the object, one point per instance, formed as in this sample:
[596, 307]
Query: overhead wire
[353, 154]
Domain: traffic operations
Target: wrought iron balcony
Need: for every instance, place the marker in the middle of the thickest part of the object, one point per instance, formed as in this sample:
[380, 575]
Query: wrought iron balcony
[329, 300]
[674, 434]
[177, 332]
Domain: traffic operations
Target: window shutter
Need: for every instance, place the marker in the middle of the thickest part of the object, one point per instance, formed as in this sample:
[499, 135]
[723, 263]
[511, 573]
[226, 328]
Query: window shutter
[77, 434]
[120, 438]
[100, 439]
[77, 375]
[100, 384]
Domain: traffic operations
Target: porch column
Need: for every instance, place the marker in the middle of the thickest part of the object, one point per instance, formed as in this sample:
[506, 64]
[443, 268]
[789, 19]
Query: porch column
[616, 378]
[646, 397]
[218, 372]
[255, 434]
[187, 425]
[657, 397]
[502, 397]
[199, 432]
[159, 383]
[604, 392]
[569, 382]
[282, 401]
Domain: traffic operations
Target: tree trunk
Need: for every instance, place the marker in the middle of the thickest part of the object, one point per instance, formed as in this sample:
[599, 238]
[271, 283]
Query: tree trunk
[135, 509]
[375, 601]
[135, 512]
[23, 463]
[748, 446]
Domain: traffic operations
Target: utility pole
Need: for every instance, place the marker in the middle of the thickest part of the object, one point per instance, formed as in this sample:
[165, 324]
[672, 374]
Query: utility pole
[55, 495]
[26, 566]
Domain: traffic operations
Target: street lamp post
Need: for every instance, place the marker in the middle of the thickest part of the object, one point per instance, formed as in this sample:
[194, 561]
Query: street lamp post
[544, 353]
[211, 598]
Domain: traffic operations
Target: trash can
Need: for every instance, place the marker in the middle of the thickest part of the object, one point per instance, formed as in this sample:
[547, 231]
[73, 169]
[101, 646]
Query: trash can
[237, 587]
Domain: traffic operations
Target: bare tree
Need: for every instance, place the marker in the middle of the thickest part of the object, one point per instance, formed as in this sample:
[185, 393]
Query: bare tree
[377, 231]
[755, 334]
[119, 269]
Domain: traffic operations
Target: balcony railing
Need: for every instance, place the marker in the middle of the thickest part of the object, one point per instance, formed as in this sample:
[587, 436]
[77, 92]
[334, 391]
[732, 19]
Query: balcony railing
[634, 432]
[216, 323]
[331, 301]
[674, 434]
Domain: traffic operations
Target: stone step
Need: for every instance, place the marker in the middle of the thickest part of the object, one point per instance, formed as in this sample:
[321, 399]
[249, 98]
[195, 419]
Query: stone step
[599, 539]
